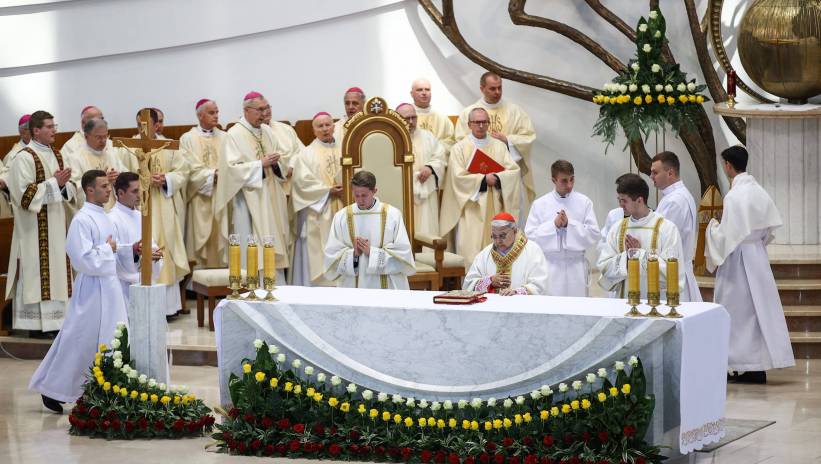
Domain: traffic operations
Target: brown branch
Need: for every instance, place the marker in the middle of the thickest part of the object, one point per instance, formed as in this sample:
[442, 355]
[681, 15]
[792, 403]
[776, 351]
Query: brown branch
[640, 156]
[612, 18]
[516, 9]
[446, 23]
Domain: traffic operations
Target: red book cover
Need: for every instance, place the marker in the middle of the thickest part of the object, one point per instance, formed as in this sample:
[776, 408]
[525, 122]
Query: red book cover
[483, 164]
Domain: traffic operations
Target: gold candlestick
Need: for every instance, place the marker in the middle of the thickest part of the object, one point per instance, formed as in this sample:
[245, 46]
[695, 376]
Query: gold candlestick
[633, 288]
[672, 288]
[653, 296]
[269, 271]
[252, 267]
[234, 266]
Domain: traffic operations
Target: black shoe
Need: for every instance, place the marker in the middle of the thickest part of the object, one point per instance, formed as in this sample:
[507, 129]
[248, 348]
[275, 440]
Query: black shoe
[43, 335]
[754, 377]
[52, 404]
[732, 378]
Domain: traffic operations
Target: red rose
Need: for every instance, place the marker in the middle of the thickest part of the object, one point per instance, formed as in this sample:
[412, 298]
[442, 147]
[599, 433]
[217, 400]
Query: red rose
[364, 449]
[603, 436]
[470, 460]
[490, 446]
[334, 430]
[116, 424]
[629, 431]
[548, 440]
[256, 444]
[178, 425]
[293, 445]
[267, 422]
[440, 457]
[394, 452]
[284, 424]
[318, 429]
[407, 453]
[640, 460]
[568, 439]
[484, 458]
[513, 460]
[94, 413]
[81, 408]
[545, 460]
[233, 413]
[425, 456]
[91, 424]
[81, 424]
[499, 458]
[453, 458]
[248, 417]
[353, 448]
[281, 449]
[129, 426]
[528, 441]
[242, 447]
[142, 423]
[354, 435]
[209, 420]
[379, 451]
[269, 450]
[507, 442]
[159, 425]
[226, 436]
[531, 459]
[193, 427]
[575, 460]
[585, 437]
[334, 449]
[299, 428]
[105, 424]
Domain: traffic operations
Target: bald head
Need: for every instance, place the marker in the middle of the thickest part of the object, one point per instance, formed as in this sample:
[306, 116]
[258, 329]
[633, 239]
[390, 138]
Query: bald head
[408, 113]
[323, 126]
[420, 92]
[89, 113]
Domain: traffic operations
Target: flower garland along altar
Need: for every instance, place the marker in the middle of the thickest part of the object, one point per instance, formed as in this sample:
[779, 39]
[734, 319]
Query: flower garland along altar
[294, 410]
[120, 403]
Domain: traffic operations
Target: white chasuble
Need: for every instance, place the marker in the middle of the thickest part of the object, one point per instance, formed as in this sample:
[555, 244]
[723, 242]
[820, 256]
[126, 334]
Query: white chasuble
[43, 283]
[203, 241]
[96, 307]
[256, 196]
[316, 170]
[564, 248]
[436, 123]
[524, 263]
[466, 205]
[168, 213]
[614, 216]
[653, 232]
[72, 145]
[427, 151]
[85, 159]
[679, 207]
[759, 339]
[391, 258]
[5, 202]
[339, 130]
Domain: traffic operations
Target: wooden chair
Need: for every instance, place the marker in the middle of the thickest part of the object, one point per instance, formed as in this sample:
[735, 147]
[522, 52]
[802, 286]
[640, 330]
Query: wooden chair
[6, 230]
[210, 284]
[378, 140]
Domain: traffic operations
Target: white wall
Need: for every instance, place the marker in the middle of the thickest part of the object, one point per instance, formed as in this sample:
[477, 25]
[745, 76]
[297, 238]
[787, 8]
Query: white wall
[125, 54]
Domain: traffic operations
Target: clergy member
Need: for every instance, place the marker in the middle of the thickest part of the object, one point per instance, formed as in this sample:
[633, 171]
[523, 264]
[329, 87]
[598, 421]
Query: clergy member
[354, 101]
[678, 206]
[96, 309]
[644, 231]
[437, 123]
[511, 265]
[98, 154]
[78, 140]
[759, 340]
[5, 164]
[509, 124]
[368, 245]
[316, 196]
[252, 173]
[429, 163]
[470, 200]
[203, 144]
[39, 184]
[563, 224]
[127, 221]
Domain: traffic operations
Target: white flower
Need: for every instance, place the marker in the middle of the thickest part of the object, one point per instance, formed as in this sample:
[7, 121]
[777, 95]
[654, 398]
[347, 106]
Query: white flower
[520, 400]
[642, 27]
[273, 349]
[184, 389]
[367, 395]
[115, 343]
[320, 377]
[657, 34]
[609, 87]
[507, 403]
[659, 87]
[647, 48]
[535, 394]
[132, 374]
[655, 68]
[396, 398]
[668, 88]
[681, 87]
[691, 87]
[635, 66]
[143, 378]
[619, 365]
[126, 368]
[645, 88]
[162, 387]
[351, 388]
[623, 88]
[633, 87]
[448, 405]
[577, 385]
[118, 333]
[335, 380]
[476, 403]
[410, 402]
[296, 363]
[654, 14]
[257, 343]
[152, 383]
[435, 406]
[281, 358]
[545, 390]
[563, 387]
[634, 361]
[121, 325]
[382, 397]
[309, 370]
[423, 404]
[602, 372]
[591, 378]
[462, 404]
[118, 363]
[491, 402]
[117, 355]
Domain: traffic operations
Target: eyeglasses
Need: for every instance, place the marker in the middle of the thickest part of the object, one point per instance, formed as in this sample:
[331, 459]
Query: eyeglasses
[261, 110]
[479, 123]
[499, 237]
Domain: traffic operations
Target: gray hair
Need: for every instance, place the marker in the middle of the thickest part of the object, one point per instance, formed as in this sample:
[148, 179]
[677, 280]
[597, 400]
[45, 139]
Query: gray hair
[501, 224]
[470, 115]
[248, 103]
[92, 124]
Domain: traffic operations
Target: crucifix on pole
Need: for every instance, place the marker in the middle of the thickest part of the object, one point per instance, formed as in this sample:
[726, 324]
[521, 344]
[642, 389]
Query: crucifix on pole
[146, 146]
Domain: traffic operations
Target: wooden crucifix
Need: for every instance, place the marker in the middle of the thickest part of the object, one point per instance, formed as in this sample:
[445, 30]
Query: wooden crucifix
[146, 146]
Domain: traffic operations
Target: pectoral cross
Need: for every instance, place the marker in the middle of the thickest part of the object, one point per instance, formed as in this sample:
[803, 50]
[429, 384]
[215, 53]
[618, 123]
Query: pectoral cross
[146, 147]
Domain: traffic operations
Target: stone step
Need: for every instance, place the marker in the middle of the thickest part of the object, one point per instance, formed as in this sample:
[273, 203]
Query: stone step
[796, 271]
[806, 345]
[802, 311]
[805, 337]
[793, 292]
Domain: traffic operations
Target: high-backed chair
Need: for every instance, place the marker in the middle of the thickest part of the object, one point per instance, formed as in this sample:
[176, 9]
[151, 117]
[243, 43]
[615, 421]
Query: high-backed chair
[377, 140]
[6, 229]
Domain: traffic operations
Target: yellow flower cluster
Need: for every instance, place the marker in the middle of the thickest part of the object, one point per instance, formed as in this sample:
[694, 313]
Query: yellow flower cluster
[661, 99]
[134, 394]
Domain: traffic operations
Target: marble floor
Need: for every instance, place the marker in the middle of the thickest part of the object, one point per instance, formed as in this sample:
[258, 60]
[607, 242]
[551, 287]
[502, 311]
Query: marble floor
[30, 434]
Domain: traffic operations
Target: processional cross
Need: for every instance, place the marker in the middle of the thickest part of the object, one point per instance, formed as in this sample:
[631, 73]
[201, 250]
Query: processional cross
[146, 147]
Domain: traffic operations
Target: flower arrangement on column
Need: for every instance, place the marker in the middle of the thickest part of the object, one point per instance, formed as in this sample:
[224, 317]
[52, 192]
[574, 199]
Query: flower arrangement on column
[120, 403]
[294, 410]
[651, 94]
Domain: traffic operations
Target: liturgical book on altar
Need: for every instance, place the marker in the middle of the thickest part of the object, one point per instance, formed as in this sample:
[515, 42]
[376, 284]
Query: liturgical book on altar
[481, 163]
[459, 297]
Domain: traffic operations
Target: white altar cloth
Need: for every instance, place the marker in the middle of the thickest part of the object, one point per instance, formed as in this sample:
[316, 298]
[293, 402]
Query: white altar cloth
[401, 342]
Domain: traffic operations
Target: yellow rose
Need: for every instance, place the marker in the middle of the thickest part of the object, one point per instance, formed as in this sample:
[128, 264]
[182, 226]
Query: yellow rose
[517, 419]
[297, 389]
[100, 380]
[246, 368]
[465, 424]
[554, 411]
[452, 423]
[565, 408]
[431, 421]
[625, 389]
[507, 423]
[274, 382]
[614, 391]
[699, 99]
[671, 100]
[124, 392]
[637, 101]
[107, 386]
[543, 415]
[165, 399]
[527, 417]
[332, 402]
[488, 426]
[361, 409]
[177, 399]
[595, 98]
[317, 397]
[259, 376]
[422, 421]
[143, 397]
[116, 389]
[386, 416]
[310, 391]
[648, 99]
[497, 423]
[134, 394]
[691, 98]
[97, 361]
[102, 347]
[612, 100]
[585, 404]
[373, 412]
[408, 422]
[601, 397]
[574, 404]
[440, 424]
[345, 407]
[397, 418]
[682, 98]
[289, 386]
[474, 425]
[155, 398]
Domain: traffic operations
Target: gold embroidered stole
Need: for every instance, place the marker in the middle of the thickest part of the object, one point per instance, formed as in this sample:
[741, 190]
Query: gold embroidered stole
[383, 217]
[505, 263]
[653, 239]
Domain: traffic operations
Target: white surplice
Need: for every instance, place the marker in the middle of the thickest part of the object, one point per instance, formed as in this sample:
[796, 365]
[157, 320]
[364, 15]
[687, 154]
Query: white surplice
[759, 339]
[427, 151]
[612, 260]
[391, 258]
[128, 228]
[95, 308]
[528, 274]
[564, 247]
[614, 216]
[677, 205]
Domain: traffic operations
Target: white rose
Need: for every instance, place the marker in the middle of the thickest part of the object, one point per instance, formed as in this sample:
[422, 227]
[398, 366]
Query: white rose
[535, 394]
[435, 406]
[367, 395]
[462, 404]
[397, 398]
[635, 66]
[491, 402]
[602, 372]
[382, 397]
[143, 378]
[410, 402]
[121, 325]
[476, 403]
[320, 377]
[691, 87]
[633, 87]
[257, 343]
[681, 87]
[162, 387]
[184, 389]
[659, 87]
[117, 355]
[335, 380]
[296, 363]
[545, 390]
[608, 87]
[115, 343]
[654, 14]
[273, 349]
[668, 88]
[623, 88]
[634, 361]
[132, 374]
[645, 88]
[118, 363]
[591, 378]
[281, 358]
[657, 34]
[126, 368]
[619, 365]
[577, 385]
[507, 403]
[655, 68]
[647, 48]
[642, 27]
[520, 400]
[152, 383]
[118, 333]
[563, 387]
[309, 370]
[448, 405]
[423, 404]
[351, 388]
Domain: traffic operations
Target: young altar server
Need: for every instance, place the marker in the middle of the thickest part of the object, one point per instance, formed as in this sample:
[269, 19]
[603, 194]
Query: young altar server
[97, 305]
[368, 246]
[511, 265]
[745, 285]
[564, 225]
